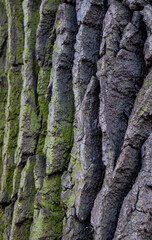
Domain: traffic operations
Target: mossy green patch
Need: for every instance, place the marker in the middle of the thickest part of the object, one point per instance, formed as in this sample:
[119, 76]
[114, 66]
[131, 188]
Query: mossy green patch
[58, 147]
[48, 220]
[3, 98]
[11, 127]
[51, 192]
[146, 85]
[29, 121]
[56, 47]
[58, 25]
[51, 6]
[31, 19]
[43, 81]
[59, 139]
[24, 206]
[69, 200]
[16, 182]
[15, 30]
[2, 227]
[143, 110]
[46, 225]
[21, 231]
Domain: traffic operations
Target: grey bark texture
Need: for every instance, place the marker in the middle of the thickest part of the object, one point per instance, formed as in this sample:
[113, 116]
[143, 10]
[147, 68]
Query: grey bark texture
[76, 119]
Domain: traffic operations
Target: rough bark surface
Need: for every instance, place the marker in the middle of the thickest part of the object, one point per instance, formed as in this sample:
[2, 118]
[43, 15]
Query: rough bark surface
[76, 119]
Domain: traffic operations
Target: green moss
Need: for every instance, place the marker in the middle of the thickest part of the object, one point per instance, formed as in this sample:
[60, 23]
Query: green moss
[69, 200]
[14, 92]
[3, 27]
[29, 124]
[9, 177]
[21, 231]
[58, 146]
[60, 138]
[78, 166]
[3, 97]
[15, 30]
[51, 193]
[11, 127]
[31, 17]
[29, 121]
[49, 53]
[58, 26]
[60, 131]
[108, 48]
[27, 179]
[48, 220]
[16, 181]
[143, 110]
[139, 205]
[47, 225]
[18, 13]
[43, 81]
[140, 96]
[148, 83]
[76, 160]
[14, 55]
[7, 219]
[2, 227]
[7, 181]
[24, 206]
[142, 91]
[56, 47]
[51, 6]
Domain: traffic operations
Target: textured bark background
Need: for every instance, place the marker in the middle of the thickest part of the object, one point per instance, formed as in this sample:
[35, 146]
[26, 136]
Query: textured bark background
[76, 119]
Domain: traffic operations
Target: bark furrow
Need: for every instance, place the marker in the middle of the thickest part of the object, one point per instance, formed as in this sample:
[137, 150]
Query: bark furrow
[76, 119]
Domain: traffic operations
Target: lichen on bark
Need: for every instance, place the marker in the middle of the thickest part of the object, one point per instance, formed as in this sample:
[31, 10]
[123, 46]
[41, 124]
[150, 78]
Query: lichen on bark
[76, 119]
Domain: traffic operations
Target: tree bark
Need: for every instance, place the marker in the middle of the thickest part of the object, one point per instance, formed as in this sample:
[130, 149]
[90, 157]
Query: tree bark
[76, 119]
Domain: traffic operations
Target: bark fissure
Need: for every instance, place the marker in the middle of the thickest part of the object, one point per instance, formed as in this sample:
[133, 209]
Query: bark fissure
[76, 119]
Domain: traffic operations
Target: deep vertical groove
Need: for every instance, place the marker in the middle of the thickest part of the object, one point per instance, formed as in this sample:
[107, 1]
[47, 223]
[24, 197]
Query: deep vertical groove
[76, 119]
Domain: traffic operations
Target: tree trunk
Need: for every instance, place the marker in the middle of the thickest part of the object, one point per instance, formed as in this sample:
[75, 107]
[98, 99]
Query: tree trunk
[76, 119]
